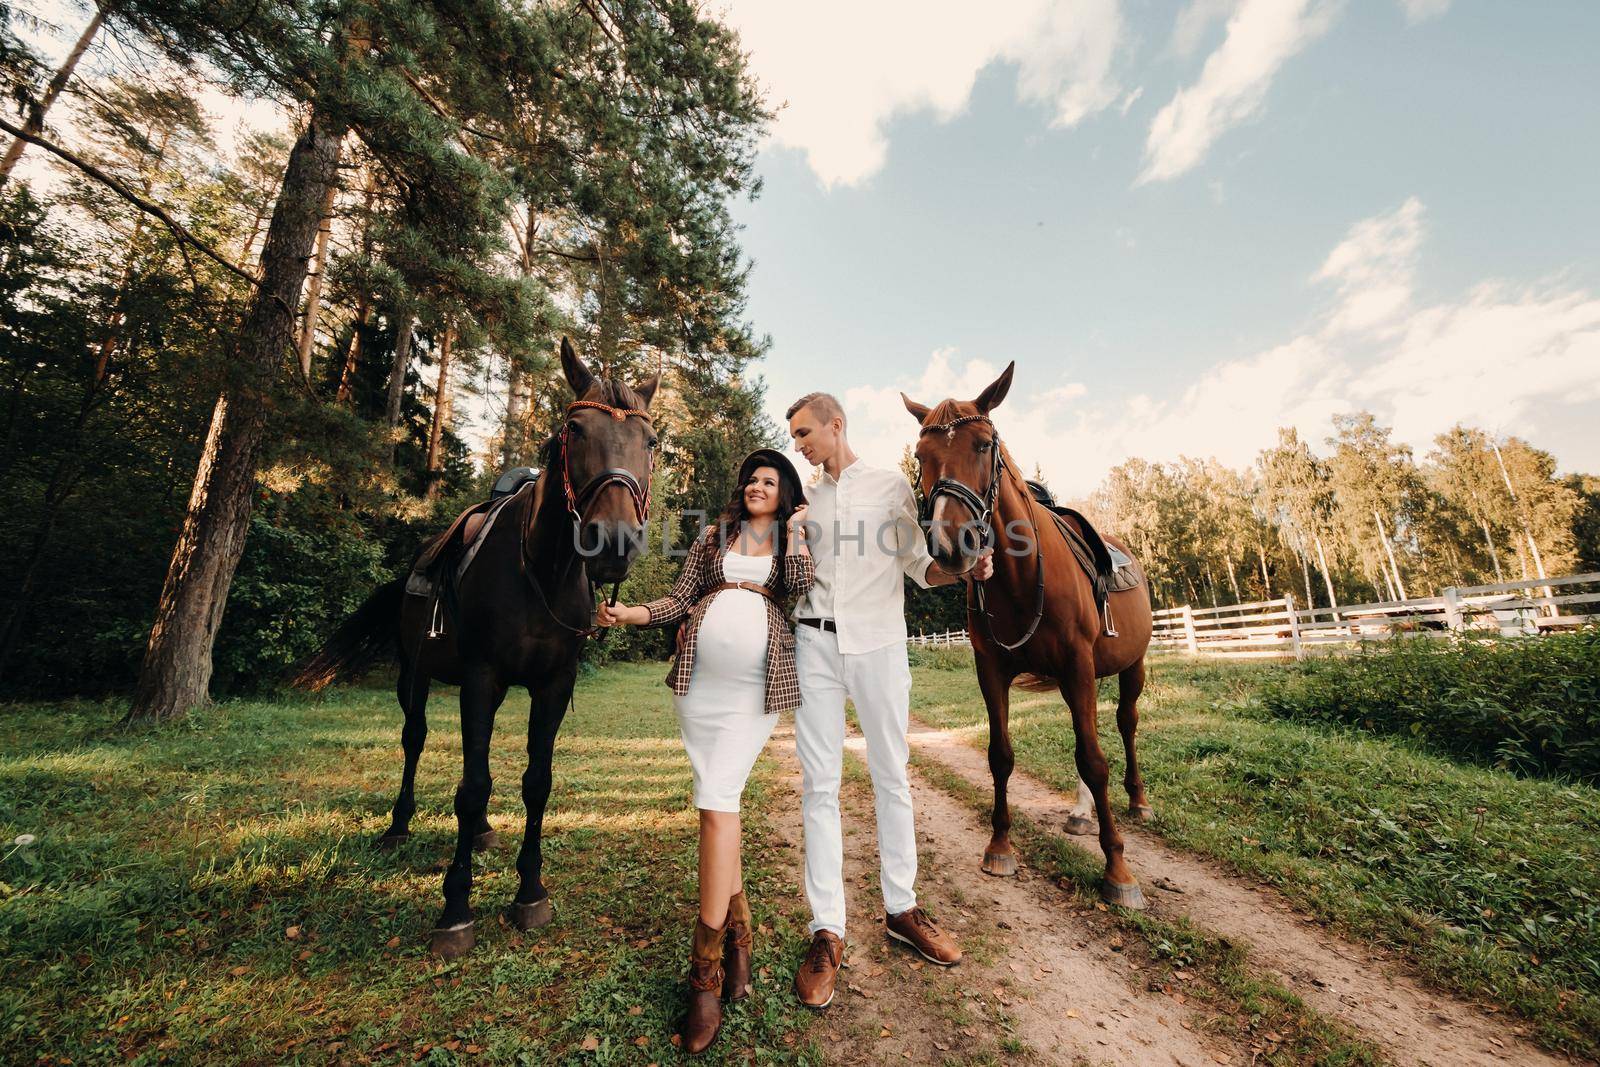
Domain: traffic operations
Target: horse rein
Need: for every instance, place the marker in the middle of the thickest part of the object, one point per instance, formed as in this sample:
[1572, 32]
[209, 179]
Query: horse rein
[577, 501]
[982, 508]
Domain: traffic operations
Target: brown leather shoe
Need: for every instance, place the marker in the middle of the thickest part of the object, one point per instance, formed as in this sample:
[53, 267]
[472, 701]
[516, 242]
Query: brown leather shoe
[700, 1026]
[813, 982]
[736, 950]
[917, 930]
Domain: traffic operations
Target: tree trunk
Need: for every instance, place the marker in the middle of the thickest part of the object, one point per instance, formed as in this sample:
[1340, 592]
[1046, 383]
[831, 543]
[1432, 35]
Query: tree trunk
[397, 372]
[1488, 539]
[1305, 576]
[1266, 576]
[352, 361]
[1233, 580]
[35, 123]
[441, 413]
[1327, 576]
[308, 332]
[176, 673]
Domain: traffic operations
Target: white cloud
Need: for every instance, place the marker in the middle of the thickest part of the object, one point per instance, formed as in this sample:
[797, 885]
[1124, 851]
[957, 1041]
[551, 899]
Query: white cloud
[1262, 35]
[1373, 268]
[1498, 357]
[1422, 10]
[843, 69]
[1194, 21]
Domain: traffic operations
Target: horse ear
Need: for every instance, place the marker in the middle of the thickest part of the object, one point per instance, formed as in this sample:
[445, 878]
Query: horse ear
[647, 390]
[990, 398]
[919, 411]
[578, 375]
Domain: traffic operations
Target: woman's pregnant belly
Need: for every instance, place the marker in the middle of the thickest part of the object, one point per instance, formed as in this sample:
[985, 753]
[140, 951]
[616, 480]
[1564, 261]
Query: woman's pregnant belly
[732, 639]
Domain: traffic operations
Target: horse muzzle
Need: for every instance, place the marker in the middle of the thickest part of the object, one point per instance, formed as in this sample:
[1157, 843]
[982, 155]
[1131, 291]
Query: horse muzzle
[608, 548]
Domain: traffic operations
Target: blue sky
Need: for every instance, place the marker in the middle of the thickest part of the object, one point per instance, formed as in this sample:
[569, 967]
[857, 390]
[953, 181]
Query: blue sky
[1187, 223]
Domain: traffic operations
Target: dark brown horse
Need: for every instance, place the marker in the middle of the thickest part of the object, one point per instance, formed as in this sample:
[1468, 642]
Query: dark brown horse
[1036, 623]
[517, 617]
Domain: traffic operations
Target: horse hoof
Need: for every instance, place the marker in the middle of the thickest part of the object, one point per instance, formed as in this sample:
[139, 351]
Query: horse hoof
[1142, 812]
[531, 916]
[1081, 825]
[999, 864]
[486, 841]
[391, 841]
[452, 942]
[1123, 896]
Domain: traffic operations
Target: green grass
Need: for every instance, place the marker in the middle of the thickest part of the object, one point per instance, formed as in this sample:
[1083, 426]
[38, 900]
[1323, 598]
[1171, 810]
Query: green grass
[152, 917]
[1488, 881]
[1532, 706]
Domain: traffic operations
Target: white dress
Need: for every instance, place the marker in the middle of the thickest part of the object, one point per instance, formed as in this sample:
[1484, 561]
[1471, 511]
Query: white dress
[723, 717]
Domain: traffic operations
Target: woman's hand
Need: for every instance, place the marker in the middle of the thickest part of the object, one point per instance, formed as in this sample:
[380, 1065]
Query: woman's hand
[797, 522]
[620, 614]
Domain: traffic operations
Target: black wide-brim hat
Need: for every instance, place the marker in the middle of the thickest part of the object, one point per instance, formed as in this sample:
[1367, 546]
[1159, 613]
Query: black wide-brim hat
[771, 457]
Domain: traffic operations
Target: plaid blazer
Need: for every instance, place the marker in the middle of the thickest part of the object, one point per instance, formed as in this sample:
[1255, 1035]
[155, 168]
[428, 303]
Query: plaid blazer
[702, 572]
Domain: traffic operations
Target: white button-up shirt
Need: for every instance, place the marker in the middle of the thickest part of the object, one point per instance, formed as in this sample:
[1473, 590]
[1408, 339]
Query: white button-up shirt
[864, 537]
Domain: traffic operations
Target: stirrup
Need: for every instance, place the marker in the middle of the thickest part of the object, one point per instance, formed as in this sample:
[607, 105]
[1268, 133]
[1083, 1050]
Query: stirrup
[1105, 612]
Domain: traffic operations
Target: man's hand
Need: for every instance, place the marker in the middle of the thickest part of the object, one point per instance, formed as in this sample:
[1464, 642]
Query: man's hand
[983, 570]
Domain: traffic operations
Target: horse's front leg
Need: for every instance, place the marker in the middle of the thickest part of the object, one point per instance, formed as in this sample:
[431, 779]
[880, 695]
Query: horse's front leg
[532, 907]
[999, 858]
[1118, 886]
[481, 694]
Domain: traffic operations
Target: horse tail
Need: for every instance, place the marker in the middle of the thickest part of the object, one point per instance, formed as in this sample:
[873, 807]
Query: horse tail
[369, 634]
[1035, 683]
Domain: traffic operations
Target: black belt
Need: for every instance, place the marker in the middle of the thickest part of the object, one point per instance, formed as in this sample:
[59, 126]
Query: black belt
[825, 625]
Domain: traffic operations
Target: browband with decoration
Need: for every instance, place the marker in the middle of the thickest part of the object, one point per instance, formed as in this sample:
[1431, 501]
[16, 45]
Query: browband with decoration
[949, 428]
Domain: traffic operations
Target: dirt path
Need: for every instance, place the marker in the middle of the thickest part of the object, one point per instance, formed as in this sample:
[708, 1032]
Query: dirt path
[1368, 991]
[1041, 981]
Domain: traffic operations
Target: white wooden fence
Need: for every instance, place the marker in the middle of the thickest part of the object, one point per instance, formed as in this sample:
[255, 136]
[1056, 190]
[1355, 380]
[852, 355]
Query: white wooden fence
[948, 639]
[1280, 628]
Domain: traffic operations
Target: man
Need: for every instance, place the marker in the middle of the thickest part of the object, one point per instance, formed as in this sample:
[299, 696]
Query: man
[850, 641]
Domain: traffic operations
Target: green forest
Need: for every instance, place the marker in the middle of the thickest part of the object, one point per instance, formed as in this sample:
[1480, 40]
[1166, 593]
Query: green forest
[240, 385]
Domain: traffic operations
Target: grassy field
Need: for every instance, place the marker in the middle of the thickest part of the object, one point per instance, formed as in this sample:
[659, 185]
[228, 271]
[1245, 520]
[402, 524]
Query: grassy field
[1488, 881]
[205, 891]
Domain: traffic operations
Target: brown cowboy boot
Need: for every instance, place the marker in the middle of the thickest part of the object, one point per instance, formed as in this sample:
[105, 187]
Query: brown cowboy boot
[700, 1026]
[736, 949]
[813, 982]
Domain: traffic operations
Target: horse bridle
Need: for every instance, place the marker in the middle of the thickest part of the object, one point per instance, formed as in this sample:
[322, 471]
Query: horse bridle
[578, 501]
[982, 509]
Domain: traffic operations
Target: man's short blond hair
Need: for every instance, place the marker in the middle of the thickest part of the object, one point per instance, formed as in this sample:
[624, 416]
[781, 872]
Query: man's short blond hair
[827, 406]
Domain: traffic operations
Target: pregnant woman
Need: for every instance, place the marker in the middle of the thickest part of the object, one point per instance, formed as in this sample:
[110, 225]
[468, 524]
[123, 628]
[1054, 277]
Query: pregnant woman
[733, 672]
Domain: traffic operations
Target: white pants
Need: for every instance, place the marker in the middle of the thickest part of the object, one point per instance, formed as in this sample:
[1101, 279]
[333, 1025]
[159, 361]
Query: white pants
[879, 682]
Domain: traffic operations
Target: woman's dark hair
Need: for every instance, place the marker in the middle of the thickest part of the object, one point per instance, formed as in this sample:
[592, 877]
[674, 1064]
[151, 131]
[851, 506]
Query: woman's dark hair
[735, 514]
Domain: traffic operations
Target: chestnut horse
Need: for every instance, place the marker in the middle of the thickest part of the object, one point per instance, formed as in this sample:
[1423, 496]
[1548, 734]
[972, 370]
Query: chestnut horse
[518, 616]
[1035, 623]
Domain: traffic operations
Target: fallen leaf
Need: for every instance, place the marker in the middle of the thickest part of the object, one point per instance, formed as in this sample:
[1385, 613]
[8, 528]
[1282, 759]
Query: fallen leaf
[884, 1032]
[237, 971]
[1072, 1013]
[590, 1043]
[292, 933]
[393, 942]
[637, 1009]
[642, 1040]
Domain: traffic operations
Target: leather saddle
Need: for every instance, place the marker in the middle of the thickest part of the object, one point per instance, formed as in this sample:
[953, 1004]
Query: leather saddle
[464, 536]
[1110, 570]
